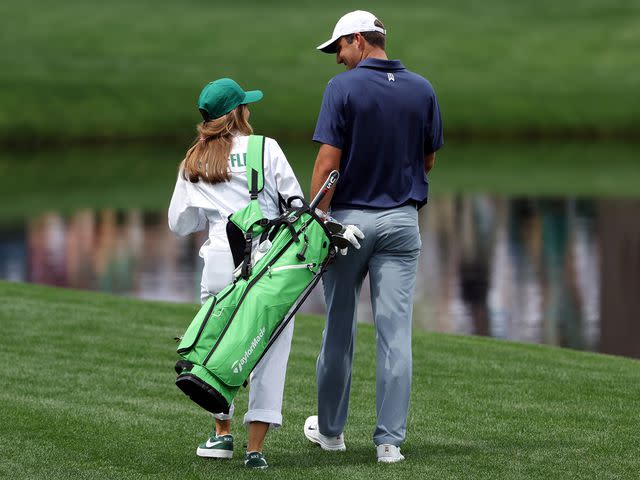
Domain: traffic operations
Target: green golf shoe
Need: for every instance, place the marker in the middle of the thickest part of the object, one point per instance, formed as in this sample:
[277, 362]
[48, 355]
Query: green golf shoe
[255, 460]
[216, 447]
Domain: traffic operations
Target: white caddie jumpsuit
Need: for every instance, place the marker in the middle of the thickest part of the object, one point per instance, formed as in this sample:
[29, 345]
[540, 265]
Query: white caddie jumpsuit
[196, 205]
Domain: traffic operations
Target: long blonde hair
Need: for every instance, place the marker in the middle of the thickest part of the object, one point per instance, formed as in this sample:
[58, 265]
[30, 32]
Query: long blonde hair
[208, 157]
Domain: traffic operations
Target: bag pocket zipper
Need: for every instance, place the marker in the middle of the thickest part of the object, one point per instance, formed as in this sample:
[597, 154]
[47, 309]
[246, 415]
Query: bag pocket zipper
[271, 271]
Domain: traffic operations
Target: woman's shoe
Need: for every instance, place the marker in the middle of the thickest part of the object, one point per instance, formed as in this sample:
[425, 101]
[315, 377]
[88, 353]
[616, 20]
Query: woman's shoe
[255, 460]
[216, 447]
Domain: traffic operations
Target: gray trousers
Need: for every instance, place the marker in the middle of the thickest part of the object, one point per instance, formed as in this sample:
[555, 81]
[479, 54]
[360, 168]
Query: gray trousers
[389, 253]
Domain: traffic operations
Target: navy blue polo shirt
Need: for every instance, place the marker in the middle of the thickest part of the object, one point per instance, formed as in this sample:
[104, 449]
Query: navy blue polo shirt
[385, 119]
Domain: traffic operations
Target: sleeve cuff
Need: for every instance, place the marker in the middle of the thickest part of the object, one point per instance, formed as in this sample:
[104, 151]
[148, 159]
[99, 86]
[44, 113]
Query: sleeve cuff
[328, 141]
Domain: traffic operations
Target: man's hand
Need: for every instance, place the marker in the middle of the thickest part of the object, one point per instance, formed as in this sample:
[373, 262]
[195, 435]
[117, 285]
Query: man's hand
[344, 237]
[351, 234]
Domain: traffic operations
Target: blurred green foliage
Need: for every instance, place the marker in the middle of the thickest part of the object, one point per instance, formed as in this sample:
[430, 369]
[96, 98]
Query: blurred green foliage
[86, 70]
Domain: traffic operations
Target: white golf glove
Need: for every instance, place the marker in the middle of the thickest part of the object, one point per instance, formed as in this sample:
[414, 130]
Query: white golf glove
[351, 234]
[342, 234]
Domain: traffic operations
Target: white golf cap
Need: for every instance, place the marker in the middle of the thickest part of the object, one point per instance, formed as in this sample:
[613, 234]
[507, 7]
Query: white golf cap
[352, 22]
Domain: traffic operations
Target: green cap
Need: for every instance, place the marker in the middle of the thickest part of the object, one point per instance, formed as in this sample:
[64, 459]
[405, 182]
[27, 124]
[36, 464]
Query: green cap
[223, 95]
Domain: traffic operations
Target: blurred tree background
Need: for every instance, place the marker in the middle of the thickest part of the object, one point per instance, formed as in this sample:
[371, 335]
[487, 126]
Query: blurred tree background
[77, 71]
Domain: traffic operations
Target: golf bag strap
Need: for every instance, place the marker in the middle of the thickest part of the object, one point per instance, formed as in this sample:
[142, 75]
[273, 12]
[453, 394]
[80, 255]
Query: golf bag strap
[287, 220]
[237, 243]
[282, 204]
[246, 266]
[255, 165]
[241, 242]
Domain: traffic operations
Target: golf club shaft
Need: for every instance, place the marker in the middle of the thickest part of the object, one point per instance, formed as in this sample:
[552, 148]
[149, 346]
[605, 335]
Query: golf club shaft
[328, 185]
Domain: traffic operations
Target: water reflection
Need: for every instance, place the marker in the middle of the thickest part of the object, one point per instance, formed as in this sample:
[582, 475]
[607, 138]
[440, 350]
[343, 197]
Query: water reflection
[130, 253]
[513, 268]
[555, 271]
[620, 251]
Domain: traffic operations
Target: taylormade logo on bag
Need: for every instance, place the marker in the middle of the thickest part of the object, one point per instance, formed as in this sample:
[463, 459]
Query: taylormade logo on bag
[239, 364]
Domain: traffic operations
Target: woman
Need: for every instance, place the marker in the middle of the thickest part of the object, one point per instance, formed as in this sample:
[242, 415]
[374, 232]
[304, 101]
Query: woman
[211, 185]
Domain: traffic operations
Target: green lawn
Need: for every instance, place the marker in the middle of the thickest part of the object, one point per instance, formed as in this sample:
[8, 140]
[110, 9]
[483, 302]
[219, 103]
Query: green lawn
[87, 392]
[121, 69]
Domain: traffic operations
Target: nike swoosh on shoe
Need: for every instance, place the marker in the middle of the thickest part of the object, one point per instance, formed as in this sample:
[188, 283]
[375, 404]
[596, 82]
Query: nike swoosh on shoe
[210, 444]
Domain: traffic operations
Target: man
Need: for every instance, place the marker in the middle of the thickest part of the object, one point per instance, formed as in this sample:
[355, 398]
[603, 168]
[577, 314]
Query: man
[380, 126]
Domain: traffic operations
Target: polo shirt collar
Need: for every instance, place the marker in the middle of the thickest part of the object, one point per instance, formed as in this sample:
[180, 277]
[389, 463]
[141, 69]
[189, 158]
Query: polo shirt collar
[378, 63]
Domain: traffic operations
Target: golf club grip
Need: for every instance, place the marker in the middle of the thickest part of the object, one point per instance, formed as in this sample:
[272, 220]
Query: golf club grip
[328, 185]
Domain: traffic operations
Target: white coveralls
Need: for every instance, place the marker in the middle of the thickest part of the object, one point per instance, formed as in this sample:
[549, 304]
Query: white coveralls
[196, 205]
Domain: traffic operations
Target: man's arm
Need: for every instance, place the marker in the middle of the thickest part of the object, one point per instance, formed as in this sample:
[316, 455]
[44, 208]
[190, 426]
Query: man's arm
[429, 161]
[328, 159]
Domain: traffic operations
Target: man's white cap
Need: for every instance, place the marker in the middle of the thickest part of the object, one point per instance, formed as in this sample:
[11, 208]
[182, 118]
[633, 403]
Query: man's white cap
[352, 22]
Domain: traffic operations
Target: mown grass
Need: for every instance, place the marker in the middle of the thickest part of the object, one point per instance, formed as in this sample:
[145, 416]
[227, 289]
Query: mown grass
[119, 69]
[144, 176]
[87, 392]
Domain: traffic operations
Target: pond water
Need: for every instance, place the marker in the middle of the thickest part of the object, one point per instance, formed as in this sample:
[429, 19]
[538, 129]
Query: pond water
[560, 271]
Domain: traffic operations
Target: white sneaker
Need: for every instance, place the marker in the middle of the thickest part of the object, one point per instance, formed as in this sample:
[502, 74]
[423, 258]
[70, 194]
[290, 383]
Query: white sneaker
[389, 453]
[326, 443]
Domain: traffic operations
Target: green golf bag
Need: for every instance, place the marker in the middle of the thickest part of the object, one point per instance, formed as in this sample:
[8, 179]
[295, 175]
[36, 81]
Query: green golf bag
[234, 329]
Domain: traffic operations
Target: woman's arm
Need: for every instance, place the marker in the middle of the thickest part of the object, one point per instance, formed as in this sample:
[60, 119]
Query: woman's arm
[184, 218]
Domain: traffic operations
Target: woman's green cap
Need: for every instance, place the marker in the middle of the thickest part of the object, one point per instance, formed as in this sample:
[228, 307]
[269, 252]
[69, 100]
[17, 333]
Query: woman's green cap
[223, 95]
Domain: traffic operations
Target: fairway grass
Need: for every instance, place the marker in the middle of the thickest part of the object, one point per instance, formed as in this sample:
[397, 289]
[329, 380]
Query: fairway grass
[87, 392]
